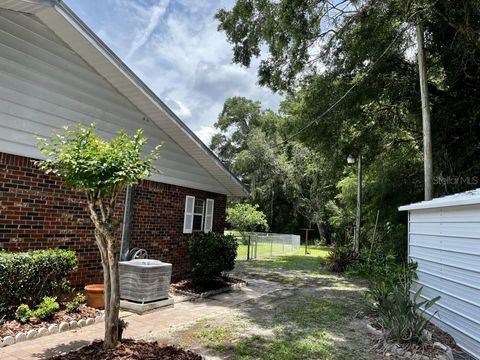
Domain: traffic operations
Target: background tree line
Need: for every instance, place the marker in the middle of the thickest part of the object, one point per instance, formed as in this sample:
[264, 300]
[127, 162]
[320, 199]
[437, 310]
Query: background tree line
[363, 52]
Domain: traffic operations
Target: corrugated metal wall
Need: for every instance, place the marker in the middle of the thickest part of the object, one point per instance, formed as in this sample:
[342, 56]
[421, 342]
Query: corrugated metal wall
[445, 242]
[46, 85]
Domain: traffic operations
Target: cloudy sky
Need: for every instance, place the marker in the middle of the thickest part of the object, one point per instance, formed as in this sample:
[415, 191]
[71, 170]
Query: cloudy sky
[175, 48]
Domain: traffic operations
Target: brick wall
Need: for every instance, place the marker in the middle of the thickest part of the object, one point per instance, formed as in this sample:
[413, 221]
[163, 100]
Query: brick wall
[37, 212]
[158, 214]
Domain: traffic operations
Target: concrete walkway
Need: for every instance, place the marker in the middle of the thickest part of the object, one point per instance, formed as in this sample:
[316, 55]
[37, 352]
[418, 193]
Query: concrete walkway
[140, 326]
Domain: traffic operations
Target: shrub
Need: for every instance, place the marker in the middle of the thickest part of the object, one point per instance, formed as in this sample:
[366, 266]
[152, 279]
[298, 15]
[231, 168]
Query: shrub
[74, 305]
[44, 311]
[402, 315]
[47, 308]
[26, 278]
[339, 258]
[212, 254]
[372, 265]
[23, 313]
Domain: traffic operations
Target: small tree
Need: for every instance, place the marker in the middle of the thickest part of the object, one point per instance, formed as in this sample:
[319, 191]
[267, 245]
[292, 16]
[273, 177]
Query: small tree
[246, 217]
[102, 170]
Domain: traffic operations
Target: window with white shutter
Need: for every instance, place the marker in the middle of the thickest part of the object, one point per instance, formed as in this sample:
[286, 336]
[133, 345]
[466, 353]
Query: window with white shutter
[209, 216]
[188, 219]
[198, 214]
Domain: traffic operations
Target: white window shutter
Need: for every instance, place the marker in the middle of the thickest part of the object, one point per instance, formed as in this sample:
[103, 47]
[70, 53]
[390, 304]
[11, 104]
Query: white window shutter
[208, 216]
[188, 219]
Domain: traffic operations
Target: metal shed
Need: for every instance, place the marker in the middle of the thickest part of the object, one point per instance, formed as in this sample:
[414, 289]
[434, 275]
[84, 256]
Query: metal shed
[444, 239]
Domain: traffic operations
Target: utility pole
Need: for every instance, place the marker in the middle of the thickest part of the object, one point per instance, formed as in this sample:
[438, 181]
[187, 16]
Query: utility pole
[356, 240]
[271, 205]
[427, 137]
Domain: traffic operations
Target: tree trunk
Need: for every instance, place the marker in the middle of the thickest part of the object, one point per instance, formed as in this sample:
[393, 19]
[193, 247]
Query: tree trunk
[322, 232]
[110, 253]
[111, 291]
[111, 321]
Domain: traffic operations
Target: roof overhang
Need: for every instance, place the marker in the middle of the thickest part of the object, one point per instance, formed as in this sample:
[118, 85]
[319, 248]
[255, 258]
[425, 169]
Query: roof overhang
[471, 197]
[73, 31]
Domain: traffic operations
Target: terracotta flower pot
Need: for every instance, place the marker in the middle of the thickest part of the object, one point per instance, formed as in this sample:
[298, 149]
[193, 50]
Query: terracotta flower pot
[95, 297]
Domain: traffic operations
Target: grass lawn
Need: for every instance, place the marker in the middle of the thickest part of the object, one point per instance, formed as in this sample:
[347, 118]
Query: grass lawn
[312, 316]
[295, 260]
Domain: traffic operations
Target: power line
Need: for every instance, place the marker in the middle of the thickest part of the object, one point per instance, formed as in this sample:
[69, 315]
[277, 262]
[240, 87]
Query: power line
[362, 77]
[355, 85]
[339, 100]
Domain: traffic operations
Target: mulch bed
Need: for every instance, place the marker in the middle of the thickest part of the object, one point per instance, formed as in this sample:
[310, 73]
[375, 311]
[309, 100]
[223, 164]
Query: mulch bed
[427, 349]
[196, 286]
[13, 327]
[444, 338]
[132, 350]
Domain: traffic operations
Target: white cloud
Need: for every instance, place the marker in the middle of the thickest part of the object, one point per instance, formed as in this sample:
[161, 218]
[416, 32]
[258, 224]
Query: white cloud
[174, 46]
[205, 134]
[156, 12]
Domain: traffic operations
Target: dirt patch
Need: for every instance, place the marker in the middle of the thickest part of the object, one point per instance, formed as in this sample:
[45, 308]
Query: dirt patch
[13, 327]
[195, 286]
[131, 350]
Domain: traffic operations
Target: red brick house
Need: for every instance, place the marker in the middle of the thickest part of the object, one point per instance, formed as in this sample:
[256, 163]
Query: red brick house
[54, 71]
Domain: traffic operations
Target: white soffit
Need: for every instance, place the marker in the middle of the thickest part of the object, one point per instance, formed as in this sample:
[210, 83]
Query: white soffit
[71, 29]
[25, 6]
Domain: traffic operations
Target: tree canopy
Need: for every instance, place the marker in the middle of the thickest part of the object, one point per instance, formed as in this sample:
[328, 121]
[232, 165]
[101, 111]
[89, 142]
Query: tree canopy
[363, 53]
[99, 167]
[246, 217]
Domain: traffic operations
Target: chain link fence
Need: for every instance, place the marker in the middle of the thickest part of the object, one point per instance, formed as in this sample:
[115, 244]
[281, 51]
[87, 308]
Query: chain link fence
[261, 245]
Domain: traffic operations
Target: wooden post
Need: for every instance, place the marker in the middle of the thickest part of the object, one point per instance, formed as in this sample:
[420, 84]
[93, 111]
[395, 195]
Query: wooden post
[306, 239]
[427, 136]
[248, 247]
[306, 242]
[271, 206]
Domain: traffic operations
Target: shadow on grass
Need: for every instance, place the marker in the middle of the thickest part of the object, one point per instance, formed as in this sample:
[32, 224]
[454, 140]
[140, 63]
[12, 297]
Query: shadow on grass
[294, 325]
[316, 319]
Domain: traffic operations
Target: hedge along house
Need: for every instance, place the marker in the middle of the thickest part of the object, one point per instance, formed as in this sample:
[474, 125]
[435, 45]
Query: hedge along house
[444, 240]
[54, 71]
